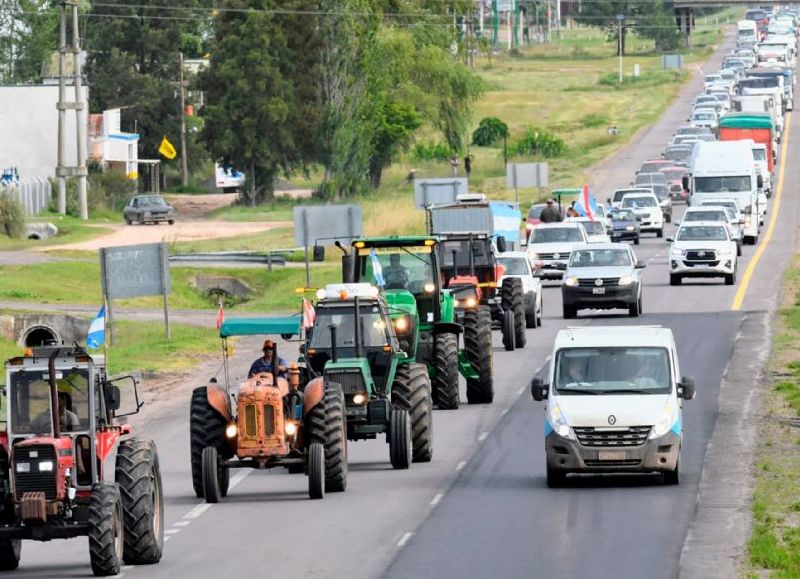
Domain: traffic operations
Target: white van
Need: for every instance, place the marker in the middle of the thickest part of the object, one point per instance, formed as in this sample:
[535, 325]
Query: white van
[747, 30]
[614, 398]
[725, 169]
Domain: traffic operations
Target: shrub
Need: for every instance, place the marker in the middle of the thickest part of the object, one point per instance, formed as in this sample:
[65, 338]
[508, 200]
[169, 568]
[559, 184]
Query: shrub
[594, 120]
[12, 217]
[490, 130]
[431, 152]
[539, 143]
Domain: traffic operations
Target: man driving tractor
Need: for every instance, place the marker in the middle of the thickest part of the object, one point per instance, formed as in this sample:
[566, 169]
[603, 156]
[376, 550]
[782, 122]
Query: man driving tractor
[396, 274]
[263, 365]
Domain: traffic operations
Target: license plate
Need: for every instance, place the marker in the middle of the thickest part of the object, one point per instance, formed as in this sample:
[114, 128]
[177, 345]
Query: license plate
[611, 455]
[701, 266]
[598, 290]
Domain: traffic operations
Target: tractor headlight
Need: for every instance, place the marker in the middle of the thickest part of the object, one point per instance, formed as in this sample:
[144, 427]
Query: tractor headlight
[470, 302]
[571, 281]
[231, 430]
[359, 398]
[429, 288]
[46, 466]
[290, 428]
[23, 467]
[401, 324]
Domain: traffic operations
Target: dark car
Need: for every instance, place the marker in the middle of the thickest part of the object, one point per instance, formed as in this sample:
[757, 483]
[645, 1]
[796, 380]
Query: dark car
[602, 276]
[148, 208]
[675, 175]
[623, 226]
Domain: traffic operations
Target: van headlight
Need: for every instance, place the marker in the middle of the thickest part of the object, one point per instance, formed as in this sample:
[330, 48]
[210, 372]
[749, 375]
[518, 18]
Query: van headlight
[630, 228]
[665, 422]
[559, 423]
[571, 281]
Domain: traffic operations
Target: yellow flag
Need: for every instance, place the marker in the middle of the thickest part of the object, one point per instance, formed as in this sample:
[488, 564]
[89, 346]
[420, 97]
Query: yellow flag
[166, 149]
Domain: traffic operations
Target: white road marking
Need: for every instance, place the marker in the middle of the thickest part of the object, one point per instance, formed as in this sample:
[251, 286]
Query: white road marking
[404, 539]
[198, 510]
[172, 531]
[461, 465]
[505, 411]
[521, 390]
[181, 523]
[483, 436]
[238, 477]
[167, 539]
[436, 499]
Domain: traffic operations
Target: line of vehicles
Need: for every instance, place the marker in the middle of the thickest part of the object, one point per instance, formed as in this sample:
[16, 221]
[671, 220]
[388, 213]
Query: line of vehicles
[388, 344]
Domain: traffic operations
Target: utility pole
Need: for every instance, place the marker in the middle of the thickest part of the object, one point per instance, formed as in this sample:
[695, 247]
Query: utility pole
[184, 160]
[620, 19]
[78, 105]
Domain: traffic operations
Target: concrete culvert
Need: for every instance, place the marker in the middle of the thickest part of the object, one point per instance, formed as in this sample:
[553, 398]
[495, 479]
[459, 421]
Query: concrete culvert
[39, 336]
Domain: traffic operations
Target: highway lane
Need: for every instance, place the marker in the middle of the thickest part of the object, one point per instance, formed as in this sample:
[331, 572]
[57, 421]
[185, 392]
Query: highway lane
[267, 526]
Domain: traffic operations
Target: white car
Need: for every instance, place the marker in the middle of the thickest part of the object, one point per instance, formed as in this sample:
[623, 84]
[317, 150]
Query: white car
[614, 399]
[709, 210]
[704, 117]
[702, 249]
[595, 230]
[550, 246]
[647, 209]
[516, 264]
[615, 201]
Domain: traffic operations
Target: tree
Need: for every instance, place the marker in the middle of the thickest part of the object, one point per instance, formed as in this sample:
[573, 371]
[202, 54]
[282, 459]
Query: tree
[659, 25]
[28, 35]
[603, 14]
[252, 120]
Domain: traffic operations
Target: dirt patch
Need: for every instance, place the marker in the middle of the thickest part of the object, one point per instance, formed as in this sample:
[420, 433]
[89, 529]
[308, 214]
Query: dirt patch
[181, 231]
[192, 207]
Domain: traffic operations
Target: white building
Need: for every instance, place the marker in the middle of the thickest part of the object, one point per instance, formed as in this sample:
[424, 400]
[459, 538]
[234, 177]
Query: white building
[110, 146]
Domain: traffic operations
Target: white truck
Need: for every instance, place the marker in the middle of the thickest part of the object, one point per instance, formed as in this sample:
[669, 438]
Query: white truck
[760, 103]
[777, 95]
[725, 169]
[747, 31]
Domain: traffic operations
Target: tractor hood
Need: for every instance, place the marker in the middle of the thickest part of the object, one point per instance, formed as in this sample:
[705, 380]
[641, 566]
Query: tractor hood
[352, 374]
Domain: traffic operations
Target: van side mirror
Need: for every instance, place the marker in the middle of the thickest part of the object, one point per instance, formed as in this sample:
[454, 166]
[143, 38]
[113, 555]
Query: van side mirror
[538, 389]
[759, 181]
[501, 244]
[608, 200]
[670, 239]
[686, 388]
[640, 265]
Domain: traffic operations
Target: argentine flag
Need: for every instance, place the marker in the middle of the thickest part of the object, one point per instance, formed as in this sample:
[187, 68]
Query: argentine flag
[97, 330]
[586, 204]
[377, 269]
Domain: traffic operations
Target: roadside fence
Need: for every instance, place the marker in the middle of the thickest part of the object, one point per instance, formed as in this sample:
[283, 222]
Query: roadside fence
[33, 193]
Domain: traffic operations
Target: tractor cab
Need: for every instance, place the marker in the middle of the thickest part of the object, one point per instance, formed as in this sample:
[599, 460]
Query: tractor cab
[470, 268]
[353, 342]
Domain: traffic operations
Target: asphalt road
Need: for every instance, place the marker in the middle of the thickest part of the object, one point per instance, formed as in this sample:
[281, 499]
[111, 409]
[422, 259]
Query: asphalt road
[480, 508]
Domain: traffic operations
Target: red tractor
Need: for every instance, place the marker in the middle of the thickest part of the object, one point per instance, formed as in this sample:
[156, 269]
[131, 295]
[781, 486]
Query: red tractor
[60, 432]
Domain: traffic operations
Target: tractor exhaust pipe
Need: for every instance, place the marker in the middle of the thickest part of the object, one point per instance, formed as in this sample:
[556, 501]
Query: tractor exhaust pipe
[334, 351]
[51, 369]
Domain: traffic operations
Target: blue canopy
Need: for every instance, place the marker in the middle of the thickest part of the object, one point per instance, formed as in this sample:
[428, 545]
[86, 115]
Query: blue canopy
[287, 325]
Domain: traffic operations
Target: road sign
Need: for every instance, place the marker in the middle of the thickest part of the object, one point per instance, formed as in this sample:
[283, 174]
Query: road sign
[669, 61]
[429, 192]
[527, 175]
[320, 225]
[134, 271]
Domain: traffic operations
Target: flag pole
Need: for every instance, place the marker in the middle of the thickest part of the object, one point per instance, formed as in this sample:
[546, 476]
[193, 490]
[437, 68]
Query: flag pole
[105, 341]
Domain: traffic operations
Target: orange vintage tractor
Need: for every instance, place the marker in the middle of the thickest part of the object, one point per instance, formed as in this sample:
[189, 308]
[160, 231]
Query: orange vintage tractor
[297, 421]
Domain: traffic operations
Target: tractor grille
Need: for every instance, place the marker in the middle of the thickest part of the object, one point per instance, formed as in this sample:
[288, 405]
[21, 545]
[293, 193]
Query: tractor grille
[592, 281]
[35, 481]
[631, 436]
[351, 381]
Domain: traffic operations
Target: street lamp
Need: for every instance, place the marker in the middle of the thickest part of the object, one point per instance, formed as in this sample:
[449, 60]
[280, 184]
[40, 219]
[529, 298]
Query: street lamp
[620, 19]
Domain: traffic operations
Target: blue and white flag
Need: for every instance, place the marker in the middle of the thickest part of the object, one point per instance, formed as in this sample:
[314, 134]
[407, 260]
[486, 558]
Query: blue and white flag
[586, 205]
[97, 330]
[377, 269]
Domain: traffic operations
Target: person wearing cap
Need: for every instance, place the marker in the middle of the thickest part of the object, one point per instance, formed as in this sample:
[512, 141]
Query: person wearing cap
[263, 365]
[550, 214]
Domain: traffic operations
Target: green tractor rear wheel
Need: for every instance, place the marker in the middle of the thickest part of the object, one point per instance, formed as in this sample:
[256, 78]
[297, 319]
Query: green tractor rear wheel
[512, 298]
[445, 365]
[411, 391]
[327, 425]
[478, 349]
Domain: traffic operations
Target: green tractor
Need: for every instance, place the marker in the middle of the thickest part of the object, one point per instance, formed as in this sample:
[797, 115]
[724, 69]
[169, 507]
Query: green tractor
[424, 314]
[353, 346]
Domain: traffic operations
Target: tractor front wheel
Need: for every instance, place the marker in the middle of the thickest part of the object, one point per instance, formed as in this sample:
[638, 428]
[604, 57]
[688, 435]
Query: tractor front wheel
[316, 470]
[206, 428]
[512, 298]
[478, 349]
[138, 476]
[399, 439]
[328, 426]
[445, 365]
[106, 529]
[212, 475]
[507, 328]
[411, 392]
[10, 550]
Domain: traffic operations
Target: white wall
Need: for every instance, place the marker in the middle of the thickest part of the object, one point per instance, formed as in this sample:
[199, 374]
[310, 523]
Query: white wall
[29, 129]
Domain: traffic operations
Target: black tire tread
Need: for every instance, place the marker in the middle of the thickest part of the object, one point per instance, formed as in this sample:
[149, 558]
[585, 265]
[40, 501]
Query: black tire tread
[138, 476]
[327, 426]
[400, 445]
[445, 362]
[102, 505]
[10, 551]
[411, 391]
[512, 298]
[206, 428]
[478, 349]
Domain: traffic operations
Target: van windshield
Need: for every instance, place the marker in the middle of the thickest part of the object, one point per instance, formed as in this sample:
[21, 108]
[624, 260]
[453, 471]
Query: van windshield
[722, 184]
[612, 370]
[759, 154]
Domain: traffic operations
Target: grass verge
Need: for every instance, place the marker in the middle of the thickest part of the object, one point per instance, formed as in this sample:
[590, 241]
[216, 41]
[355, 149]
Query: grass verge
[774, 546]
[70, 230]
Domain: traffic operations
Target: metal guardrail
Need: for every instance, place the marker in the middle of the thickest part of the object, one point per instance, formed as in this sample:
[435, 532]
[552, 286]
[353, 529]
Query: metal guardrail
[270, 259]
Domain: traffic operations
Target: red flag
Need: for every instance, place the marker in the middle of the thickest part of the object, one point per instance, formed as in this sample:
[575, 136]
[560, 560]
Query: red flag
[220, 315]
[309, 314]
